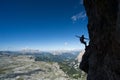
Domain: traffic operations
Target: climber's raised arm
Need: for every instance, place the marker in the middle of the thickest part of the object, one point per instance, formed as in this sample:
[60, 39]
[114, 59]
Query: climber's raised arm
[77, 36]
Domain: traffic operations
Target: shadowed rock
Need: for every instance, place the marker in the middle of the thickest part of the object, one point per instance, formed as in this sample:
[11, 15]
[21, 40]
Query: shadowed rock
[102, 57]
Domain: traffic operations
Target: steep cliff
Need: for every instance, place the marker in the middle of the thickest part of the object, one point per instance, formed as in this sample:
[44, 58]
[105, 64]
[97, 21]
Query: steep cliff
[102, 57]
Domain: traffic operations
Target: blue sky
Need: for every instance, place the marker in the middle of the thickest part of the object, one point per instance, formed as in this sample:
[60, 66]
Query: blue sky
[41, 24]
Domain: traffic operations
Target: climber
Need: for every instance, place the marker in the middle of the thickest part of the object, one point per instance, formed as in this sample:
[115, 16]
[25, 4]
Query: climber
[82, 39]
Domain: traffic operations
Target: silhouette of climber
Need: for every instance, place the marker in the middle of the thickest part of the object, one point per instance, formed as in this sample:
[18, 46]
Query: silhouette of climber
[82, 39]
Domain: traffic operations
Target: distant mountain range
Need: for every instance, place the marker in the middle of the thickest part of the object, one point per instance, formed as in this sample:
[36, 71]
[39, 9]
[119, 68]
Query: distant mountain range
[56, 58]
[53, 56]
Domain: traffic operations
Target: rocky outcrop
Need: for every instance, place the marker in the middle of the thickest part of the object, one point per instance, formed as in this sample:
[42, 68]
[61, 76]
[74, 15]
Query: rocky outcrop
[102, 57]
[79, 57]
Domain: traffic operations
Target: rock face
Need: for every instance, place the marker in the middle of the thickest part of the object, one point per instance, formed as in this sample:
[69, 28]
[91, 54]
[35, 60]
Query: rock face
[79, 57]
[102, 57]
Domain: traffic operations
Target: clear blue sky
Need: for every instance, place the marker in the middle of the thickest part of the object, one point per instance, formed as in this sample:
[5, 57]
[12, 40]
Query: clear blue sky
[41, 24]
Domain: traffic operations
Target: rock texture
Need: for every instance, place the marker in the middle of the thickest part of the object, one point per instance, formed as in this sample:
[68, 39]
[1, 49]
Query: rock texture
[79, 57]
[22, 67]
[102, 57]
